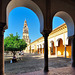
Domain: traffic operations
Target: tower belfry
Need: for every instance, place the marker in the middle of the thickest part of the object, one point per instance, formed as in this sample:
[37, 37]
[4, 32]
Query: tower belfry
[26, 32]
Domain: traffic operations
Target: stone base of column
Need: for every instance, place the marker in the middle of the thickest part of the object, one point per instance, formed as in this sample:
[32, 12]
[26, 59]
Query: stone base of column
[73, 64]
[2, 74]
[46, 69]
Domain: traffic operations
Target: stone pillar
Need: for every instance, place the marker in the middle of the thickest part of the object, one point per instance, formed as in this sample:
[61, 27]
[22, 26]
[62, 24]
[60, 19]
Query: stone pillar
[39, 49]
[31, 50]
[42, 48]
[56, 50]
[65, 51]
[1, 50]
[73, 50]
[46, 53]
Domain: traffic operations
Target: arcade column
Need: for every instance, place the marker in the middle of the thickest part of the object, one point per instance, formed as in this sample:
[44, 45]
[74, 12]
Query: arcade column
[73, 50]
[65, 51]
[2, 48]
[45, 52]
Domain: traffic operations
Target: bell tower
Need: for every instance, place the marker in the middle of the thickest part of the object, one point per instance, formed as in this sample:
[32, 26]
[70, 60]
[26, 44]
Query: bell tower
[26, 33]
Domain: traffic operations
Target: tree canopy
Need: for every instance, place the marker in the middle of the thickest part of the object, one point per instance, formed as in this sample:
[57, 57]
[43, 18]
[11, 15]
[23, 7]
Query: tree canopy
[14, 43]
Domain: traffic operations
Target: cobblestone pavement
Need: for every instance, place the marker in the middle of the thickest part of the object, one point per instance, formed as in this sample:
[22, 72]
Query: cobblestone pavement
[32, 62]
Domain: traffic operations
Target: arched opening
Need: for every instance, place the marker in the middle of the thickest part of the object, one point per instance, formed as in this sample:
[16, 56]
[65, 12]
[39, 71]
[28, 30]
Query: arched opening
[65, 31]
[52, 48]
[29, 4]
[60, 48]
[57, 21]
[68, 20]
[19, 15]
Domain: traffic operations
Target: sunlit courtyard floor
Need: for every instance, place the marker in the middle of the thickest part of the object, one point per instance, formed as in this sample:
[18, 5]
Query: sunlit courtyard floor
[35, 63]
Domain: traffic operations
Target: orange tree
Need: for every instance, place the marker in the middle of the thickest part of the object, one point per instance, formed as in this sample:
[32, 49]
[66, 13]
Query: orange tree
[14, 43]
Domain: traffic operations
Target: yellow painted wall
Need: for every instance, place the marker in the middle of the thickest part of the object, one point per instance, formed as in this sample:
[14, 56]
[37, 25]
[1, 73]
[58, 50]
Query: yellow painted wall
[32, 50]
[40, 50]
[68, 49]
[60, 48]
[62, 29]
[43, 50]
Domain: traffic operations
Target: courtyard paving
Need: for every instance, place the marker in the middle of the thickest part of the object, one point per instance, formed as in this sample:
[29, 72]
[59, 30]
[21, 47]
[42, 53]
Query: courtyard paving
[34, 62]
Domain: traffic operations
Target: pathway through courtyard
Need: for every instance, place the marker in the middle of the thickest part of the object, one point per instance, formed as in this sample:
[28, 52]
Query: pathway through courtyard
[34, 62]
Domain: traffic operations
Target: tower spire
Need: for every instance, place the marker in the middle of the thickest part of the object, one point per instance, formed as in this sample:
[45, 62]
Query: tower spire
[25, 23]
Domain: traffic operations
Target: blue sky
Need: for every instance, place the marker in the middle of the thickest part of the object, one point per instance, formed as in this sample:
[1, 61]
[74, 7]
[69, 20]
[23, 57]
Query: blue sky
[16, 22]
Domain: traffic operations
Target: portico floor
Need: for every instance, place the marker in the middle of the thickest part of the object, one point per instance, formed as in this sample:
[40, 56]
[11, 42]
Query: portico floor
[55, 71]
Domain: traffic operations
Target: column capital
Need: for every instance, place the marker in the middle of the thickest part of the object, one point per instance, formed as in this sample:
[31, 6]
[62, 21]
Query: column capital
[2, 28]
[46, 33]
[2, 24]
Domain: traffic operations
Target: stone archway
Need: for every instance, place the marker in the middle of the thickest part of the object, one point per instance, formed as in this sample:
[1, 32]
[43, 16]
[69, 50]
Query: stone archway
[11, 4]
[49, 8]
[68, 20]
[71, 31]
[29, 4]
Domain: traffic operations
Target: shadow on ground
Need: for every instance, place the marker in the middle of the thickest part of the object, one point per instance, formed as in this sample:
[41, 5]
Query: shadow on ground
[32, 62]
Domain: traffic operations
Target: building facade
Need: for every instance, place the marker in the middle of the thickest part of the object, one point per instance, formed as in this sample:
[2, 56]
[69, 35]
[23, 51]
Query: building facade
[26, 33]
[58, 43]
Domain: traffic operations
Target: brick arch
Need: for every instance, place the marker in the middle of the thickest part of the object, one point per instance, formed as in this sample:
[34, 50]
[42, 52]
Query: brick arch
[60, 48]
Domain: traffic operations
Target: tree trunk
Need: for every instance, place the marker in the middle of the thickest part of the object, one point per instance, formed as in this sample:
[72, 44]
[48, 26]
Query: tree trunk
[14, 53]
